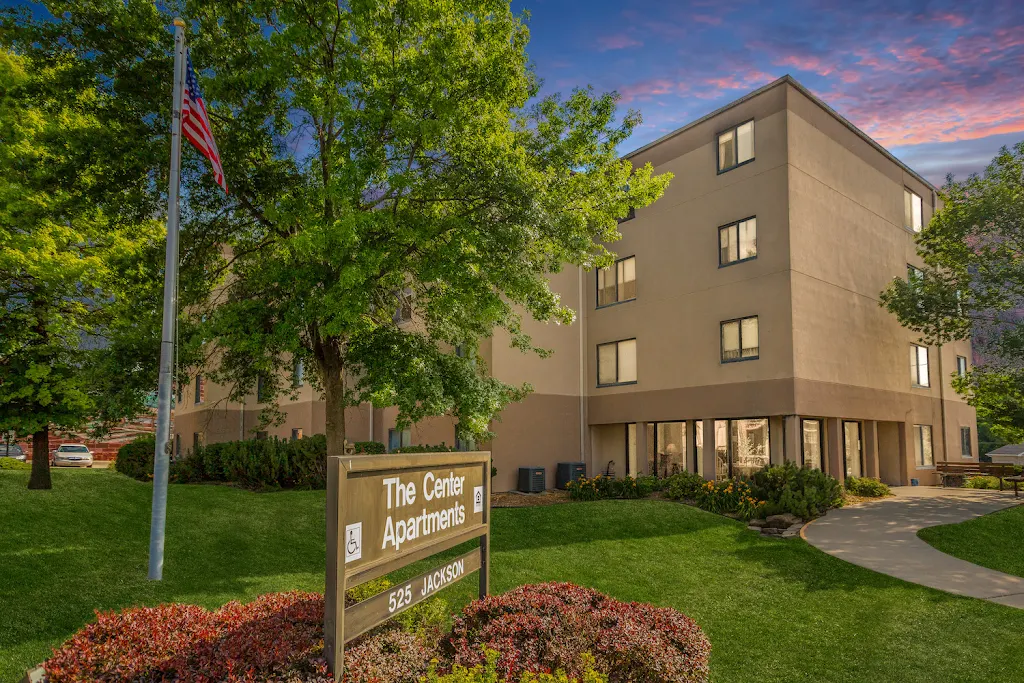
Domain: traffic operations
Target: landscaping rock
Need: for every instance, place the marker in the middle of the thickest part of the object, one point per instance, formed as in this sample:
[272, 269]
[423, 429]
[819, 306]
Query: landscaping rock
[783, 521]
[771, 531]
[751, 527]
[756, 523]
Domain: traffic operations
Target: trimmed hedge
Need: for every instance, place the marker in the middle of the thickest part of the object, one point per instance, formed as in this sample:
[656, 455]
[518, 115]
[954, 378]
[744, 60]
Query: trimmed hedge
[802, 491]
[551, 626]
[135, 458]
[868, 487]
[12, 464]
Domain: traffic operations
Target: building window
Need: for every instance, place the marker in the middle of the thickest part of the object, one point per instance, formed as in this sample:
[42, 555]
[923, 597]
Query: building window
[631, 450]
[915, 276]
[617, 283]
[200, 389]
[965, 443]
[853, 452]
[403, 313]
[912, 210]
[177, 445]
[630, 215]
[740, 339]
[666, 448]
[741, 447]
[919, 366]
[197, 441]
[736, 146]
[812, 444]
[737, 242]
[616, 363]
[961, 366]
[467, 444]
[262, 436]
[261, 389]
[399, 438]
[923, 446]
[299, 374]
[296, 433]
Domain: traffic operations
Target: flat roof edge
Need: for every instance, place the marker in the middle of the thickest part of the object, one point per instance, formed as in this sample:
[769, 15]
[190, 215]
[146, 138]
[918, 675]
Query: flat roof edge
[809, 95]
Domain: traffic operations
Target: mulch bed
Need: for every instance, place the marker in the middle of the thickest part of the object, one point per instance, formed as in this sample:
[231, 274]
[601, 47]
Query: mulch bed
[513, 499]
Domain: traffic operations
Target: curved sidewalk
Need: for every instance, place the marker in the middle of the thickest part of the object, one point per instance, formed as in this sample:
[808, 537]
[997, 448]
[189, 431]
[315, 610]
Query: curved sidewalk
[882, 536]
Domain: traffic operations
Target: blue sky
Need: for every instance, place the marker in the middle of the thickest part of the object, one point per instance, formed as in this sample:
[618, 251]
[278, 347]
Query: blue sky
[941, 84]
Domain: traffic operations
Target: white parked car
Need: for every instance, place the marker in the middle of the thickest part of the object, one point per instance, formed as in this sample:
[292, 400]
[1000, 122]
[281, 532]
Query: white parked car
[72, 455]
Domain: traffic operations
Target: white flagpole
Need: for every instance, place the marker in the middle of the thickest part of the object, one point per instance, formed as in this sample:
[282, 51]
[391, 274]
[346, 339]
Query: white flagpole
[161, 460]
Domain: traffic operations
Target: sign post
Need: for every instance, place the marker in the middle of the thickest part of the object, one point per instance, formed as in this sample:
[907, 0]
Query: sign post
[387, 511]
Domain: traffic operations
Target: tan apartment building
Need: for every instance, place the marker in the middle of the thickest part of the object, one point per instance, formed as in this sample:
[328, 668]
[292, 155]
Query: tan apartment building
[740, 326]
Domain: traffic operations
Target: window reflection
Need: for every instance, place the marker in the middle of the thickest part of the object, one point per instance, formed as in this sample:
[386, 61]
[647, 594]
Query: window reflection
[812, 443]
[666, 448]
[749, 442]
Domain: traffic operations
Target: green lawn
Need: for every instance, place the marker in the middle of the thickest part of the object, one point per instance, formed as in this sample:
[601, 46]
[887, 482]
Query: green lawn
[774, 610]
[995, 541]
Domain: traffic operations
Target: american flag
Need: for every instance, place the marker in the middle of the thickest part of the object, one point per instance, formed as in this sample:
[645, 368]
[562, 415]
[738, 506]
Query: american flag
[195, 124]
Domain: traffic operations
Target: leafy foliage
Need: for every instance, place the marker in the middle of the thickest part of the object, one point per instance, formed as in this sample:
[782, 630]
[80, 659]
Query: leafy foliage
[550, 626]
[868, 487]
[73, 264]
[729, 496]
[381, 156]
[683, 486]
[135, 458]
[488, 673]
[982, 482]
[802, 491]
[12, 464]
[601, 486]
[973, 287]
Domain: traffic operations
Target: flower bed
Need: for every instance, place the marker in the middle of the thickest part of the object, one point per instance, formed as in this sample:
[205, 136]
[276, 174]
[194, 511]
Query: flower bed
[279, 637]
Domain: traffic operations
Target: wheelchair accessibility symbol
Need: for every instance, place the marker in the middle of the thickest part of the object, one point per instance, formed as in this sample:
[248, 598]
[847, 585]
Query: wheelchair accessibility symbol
[353, 542]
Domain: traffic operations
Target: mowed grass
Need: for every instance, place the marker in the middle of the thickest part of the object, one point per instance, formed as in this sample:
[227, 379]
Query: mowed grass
[995, 541]
[774, 610]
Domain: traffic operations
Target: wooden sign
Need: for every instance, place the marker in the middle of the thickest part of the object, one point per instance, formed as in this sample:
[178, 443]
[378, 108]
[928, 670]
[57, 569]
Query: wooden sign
[387, 511]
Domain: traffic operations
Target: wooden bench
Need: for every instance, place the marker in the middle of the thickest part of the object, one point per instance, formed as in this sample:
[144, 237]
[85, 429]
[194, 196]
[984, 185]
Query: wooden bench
[1000, 470]
[1016, 479]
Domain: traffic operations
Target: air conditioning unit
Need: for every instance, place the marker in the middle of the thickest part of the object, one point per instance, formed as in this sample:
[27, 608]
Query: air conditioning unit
[569, 471]
[532, 480]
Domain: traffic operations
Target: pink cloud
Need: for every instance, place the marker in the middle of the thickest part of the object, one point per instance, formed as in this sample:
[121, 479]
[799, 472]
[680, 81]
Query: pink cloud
[806, 63]
[617, 42]
[708, 19]
[645, 90]
[954, 20]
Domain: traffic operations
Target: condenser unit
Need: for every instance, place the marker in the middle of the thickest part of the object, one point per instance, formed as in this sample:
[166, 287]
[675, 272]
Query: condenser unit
[532, 480]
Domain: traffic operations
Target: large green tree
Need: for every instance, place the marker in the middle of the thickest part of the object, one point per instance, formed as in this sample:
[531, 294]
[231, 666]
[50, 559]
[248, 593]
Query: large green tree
[69, 270]
[381, 155]
[972, 286]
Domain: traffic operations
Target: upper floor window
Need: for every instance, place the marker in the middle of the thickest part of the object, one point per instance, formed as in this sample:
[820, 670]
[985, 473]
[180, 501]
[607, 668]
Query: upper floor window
[915, 276]
[912, 210]
[740, 339]
[298, 374]
[919, 366]
[617, 282]
[961, 366]
[261, 389]
[616, 363]
[736, 146]
[200, 389]
[737, 242]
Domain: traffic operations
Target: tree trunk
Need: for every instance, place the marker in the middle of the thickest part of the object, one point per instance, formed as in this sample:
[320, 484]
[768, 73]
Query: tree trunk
[334, 400]
[40, 477]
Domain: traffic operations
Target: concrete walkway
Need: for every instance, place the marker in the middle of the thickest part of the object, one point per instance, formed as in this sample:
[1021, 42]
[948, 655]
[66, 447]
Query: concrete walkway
[882, 535]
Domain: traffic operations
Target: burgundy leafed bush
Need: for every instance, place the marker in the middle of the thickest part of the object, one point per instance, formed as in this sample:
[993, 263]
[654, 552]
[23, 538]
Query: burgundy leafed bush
[549, 626]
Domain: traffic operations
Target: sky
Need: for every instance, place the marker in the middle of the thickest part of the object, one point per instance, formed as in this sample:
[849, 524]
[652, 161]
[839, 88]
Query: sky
[940, 84]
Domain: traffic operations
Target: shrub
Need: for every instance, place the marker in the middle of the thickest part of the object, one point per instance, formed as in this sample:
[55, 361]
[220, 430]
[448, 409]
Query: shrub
[12, 464]
[370, 447]
[488, 673]
[683, 486]
[551, 626]
[135, 458]
[426, 448]
[982, 482]
[869, 487]
[583, 489]
[802, 491]
[729, 496]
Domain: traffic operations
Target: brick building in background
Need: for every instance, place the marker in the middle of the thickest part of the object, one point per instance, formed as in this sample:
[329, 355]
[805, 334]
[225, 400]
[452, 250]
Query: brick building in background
[739, 326]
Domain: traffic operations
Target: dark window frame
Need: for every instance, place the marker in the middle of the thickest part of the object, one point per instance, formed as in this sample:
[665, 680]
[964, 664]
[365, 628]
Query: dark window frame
[735, 139]
[961, 367]
[736, 224]
[401, 437]
[614, 268]
[688, 439]
[721, 339]
[598, 363]
[915, 384]
[911, 227]
[630, 215]
[199, 390]
[919, 439]
[860, 446]
[730, 451]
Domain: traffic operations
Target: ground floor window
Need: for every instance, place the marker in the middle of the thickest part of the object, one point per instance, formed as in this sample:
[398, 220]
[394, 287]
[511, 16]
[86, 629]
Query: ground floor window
[631, 449]
[399, 438]
[666, 448]
[468, 444]
[965, 442]
[296, 433]
[923, 455]
[741, 447]
[812, 444]
[698, 440]
[852, 450]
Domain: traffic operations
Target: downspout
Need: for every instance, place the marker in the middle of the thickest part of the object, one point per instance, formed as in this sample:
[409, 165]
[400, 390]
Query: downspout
[942, 406]
[583, 370]
[371, 421]
[241, 421]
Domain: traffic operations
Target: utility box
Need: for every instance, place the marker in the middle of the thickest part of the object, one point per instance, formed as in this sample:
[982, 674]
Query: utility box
[532, 480]
[569, 471]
